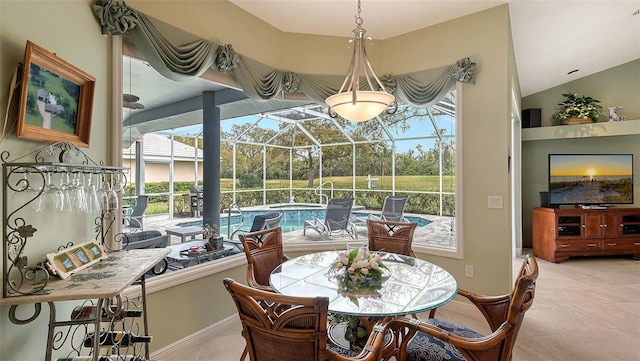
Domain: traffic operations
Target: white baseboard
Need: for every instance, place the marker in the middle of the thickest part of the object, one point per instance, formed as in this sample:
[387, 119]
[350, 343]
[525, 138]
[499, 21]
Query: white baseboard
[197, 339]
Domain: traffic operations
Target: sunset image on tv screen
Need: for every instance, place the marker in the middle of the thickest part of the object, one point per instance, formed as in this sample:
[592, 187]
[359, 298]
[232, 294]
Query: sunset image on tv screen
[590, 178]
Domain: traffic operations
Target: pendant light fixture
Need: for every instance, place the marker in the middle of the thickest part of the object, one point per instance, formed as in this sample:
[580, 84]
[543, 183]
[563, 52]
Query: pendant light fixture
[351, 102]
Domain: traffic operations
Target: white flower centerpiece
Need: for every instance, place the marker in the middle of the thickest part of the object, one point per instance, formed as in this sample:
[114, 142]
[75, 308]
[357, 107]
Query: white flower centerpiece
[358, 270]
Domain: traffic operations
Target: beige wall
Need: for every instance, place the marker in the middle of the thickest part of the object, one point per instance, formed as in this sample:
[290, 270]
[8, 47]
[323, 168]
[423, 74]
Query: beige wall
[68, 29]
[183, 171]
[619, 86]
[485, 134]
[613, 87]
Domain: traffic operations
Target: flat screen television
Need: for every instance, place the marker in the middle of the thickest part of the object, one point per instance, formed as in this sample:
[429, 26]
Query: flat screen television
[590, 179]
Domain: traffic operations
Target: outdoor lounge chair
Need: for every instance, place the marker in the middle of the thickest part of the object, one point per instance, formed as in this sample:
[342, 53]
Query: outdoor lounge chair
[336, 221]
[135, 220]
[261, 222]
[392, 210]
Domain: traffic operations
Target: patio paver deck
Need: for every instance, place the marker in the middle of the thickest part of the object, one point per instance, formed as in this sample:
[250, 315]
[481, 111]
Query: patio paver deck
[437, 233]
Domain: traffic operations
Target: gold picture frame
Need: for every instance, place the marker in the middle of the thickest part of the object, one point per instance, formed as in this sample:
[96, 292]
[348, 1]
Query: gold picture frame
[56, 99]
[76, 258]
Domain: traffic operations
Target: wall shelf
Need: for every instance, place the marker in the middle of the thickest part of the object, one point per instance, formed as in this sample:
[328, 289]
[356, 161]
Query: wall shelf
[602, 129]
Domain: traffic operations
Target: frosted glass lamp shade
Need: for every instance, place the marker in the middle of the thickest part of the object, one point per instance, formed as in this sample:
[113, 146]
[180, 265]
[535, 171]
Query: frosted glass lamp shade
[368, 104]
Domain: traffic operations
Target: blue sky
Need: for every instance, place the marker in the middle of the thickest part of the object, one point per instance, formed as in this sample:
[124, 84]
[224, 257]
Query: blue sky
[419, 129]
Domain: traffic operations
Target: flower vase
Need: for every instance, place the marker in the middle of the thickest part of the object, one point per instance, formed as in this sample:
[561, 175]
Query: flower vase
[214, 243]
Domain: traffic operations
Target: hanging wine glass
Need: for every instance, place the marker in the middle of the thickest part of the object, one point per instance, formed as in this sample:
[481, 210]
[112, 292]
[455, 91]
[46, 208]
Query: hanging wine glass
[103, 192]
[51, 197]
[92, 197]
[113, 194]
[80, 192]
[66, 186]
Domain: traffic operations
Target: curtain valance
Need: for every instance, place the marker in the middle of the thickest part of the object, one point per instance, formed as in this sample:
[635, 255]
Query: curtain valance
[259, 81]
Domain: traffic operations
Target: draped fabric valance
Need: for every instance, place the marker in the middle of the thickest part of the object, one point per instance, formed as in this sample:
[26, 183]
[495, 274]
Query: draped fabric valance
[259, 81]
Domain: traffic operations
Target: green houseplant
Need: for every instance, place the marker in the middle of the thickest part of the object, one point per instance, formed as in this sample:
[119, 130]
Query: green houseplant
[577, 109]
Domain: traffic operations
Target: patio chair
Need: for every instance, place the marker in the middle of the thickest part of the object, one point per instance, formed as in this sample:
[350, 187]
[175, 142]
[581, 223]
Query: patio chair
[135, 220]
[392, 210]
[393, 237]
[290, 328]
[336, 221]
[439, 339]
[262, 222]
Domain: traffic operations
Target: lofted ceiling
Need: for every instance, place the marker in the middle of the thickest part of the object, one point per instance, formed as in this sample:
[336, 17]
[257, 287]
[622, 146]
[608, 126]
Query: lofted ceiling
[549, 37]
[551, 40]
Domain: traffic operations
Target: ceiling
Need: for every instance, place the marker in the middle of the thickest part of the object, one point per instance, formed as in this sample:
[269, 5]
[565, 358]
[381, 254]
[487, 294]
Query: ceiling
[551, 39]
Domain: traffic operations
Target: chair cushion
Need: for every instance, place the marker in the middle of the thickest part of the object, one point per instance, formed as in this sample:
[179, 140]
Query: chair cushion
[424, 347]
[139, 236]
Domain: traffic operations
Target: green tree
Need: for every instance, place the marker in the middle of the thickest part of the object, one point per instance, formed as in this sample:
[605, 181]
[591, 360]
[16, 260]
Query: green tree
[31, 101]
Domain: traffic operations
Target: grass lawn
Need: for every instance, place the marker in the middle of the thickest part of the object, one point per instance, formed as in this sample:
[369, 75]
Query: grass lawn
[408, 183]
[403, 183]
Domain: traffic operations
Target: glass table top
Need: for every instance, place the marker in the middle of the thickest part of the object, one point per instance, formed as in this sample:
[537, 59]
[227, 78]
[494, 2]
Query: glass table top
[414, 285]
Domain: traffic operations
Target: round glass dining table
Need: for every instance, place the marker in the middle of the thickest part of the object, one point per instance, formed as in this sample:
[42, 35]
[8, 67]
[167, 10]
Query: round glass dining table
[414, 285]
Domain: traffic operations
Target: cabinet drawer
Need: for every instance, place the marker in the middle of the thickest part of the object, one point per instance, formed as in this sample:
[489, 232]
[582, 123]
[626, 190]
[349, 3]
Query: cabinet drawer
[578, 245]
[621, 244]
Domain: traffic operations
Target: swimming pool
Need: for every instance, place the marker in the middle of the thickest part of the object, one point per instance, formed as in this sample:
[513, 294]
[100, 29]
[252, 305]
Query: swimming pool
[292, 219]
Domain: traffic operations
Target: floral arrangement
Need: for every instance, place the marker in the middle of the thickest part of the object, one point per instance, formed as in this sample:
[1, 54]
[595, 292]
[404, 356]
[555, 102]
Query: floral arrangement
[358, 270]
[577, 107]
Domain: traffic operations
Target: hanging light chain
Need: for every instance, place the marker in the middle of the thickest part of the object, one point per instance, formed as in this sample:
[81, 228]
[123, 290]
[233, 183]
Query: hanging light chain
[356, 104]
[359, 20]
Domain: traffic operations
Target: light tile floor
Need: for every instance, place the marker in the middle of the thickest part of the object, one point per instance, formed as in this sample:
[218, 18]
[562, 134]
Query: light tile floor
[584, 310]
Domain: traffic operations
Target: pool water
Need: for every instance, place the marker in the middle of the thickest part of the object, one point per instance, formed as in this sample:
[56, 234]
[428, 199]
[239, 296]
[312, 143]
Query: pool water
[292, 220]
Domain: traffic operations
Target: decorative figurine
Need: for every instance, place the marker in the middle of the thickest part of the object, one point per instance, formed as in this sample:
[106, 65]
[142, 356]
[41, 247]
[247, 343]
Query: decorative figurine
[211, 233]
[613, 114]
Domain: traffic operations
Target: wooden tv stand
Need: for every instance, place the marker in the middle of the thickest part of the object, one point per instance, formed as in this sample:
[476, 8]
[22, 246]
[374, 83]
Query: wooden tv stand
[560, 233]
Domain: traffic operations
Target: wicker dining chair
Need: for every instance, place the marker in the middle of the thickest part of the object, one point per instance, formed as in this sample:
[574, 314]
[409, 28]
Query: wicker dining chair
[438, 339]
[264, 253]
[392, 237]
[277, 327]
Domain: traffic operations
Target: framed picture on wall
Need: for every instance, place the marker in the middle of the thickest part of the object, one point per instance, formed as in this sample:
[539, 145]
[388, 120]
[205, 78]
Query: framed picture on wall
[56, 99]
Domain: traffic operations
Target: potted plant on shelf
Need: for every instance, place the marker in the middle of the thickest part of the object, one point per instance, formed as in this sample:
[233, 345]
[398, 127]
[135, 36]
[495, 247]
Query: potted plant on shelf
[577, 110]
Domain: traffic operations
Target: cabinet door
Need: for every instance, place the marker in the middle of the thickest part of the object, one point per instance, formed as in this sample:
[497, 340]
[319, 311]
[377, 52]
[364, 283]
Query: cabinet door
[610, 225]
[629, 225]
[569, 225]
[593, 225]
[601, 225]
